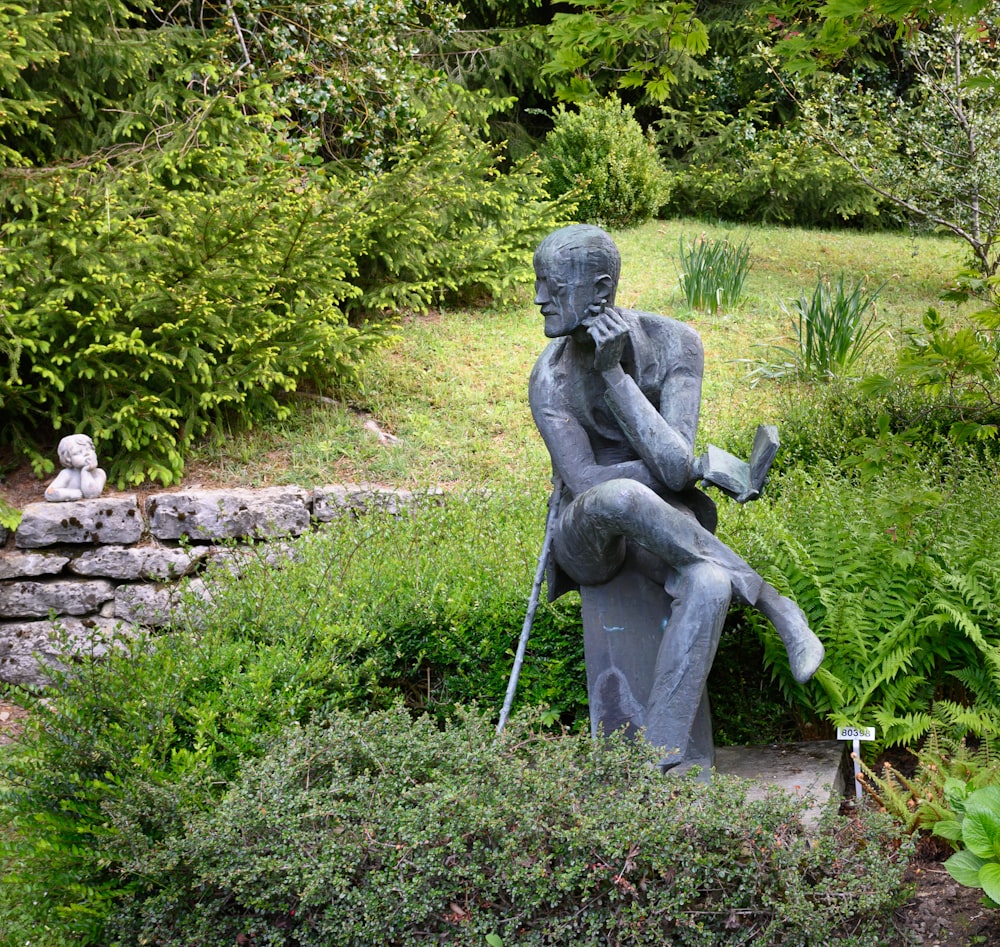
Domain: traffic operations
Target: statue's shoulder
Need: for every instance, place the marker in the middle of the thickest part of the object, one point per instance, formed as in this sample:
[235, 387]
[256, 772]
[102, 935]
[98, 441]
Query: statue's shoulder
[665, 334]
[657, 325]
[548, 371]
[550, 356]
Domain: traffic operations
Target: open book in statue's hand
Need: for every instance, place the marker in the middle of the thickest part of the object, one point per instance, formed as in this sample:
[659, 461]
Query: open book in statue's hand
[737, 478]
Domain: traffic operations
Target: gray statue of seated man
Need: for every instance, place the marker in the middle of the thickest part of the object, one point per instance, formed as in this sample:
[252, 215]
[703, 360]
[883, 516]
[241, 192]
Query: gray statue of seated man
[80, 478]
[616, 396]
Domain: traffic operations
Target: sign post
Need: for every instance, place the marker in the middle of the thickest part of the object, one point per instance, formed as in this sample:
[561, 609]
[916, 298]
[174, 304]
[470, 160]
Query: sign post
[856, 735]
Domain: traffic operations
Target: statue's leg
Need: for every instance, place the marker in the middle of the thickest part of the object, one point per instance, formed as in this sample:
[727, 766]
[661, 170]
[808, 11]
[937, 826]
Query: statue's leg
[805, 650]
[589, 540]
[701, 597]
[589, 544]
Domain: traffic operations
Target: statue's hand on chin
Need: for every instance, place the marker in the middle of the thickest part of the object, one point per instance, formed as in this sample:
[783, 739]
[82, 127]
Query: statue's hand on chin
[609, 330]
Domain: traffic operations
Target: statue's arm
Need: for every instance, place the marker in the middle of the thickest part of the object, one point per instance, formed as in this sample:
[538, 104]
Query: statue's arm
[568, 444]
[663, 438]
[66, 486]
[92, 481]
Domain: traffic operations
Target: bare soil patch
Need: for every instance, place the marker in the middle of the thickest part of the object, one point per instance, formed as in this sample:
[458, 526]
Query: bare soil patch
[941, 912]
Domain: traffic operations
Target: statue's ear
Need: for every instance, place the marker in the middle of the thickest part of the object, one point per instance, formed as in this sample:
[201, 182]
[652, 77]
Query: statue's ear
[604, 287]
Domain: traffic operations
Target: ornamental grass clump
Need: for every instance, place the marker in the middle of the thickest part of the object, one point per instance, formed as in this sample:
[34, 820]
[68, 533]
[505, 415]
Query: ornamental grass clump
[713, 273]
[834, 328]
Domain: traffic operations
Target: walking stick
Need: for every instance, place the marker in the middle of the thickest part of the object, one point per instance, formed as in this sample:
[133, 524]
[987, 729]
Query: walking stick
[543, 559]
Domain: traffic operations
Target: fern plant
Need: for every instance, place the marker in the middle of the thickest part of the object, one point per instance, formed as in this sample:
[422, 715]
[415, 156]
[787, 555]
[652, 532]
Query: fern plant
[948, 770]
[907, 608]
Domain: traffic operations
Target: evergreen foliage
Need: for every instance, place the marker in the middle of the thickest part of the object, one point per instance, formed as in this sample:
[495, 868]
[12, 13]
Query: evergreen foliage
[600, 156]
[141, 304]
[349, 76]
[25, 45]
[384, 829]
[180, 253]
[747, 173]
[389, 831]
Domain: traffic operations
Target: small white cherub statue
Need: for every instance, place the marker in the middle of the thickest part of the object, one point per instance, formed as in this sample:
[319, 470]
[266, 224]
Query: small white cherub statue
[80, 477]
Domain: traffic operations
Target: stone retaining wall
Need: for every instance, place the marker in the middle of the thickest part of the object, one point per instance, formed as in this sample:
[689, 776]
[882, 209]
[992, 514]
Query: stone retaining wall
[74, 572]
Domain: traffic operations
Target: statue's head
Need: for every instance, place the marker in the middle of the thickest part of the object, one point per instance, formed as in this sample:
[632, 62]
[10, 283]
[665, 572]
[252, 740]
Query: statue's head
[576, 272]
[77, 450]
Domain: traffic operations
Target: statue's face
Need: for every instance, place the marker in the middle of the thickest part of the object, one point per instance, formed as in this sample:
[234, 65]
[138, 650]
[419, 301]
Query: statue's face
[563, 293]
[78, 453]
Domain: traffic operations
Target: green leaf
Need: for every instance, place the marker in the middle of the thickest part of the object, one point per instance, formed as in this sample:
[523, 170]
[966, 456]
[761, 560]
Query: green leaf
[956, 791]
[981, 827]
[964, 868]
[950, 829]
[989, 877]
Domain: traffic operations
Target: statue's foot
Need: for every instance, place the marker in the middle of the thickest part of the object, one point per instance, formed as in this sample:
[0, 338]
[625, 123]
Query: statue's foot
[805, 655]
[674, 765]
[805, 650]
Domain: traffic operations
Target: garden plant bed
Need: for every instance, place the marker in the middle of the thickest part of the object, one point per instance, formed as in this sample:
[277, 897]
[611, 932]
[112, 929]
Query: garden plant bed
[939, 913]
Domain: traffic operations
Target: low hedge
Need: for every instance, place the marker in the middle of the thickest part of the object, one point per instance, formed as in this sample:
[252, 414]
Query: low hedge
[389, 830]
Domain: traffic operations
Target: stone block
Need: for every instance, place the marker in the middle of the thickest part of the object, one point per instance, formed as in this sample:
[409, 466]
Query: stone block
[154, 604]
[104, 520]
[20, 565]
[210, 515]
[30, 599]
[28, 650]
[235, 559]
[333, 501]
[817, 771]
[129, 563]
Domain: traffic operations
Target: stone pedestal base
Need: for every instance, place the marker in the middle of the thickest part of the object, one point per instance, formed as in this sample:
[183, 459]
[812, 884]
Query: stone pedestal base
[623, 627]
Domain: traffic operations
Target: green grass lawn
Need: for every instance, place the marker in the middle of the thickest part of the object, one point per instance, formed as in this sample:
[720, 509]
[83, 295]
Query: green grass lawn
[453, 387]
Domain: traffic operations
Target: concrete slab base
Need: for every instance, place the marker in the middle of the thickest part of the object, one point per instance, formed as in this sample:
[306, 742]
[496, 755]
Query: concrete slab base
[817, 770]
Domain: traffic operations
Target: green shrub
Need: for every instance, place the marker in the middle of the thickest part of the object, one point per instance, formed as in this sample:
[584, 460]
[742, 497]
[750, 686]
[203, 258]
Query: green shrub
[424, 606]
[845, 425]
[754, 175]
[386, 830]
[600, 156]
[442, 223]
[956, 364]
[144, 305]
[713, 273]
[822, 428]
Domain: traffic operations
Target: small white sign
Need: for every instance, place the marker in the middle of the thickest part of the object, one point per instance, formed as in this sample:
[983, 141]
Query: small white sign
[855, 733]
